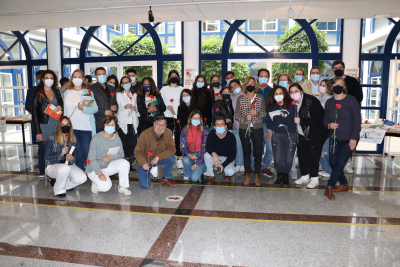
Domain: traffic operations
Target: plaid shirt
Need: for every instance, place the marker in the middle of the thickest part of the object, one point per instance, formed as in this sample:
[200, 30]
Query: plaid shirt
[184, 146]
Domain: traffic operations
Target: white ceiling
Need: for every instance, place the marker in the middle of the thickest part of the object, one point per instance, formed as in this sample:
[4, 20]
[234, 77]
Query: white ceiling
[52, 14]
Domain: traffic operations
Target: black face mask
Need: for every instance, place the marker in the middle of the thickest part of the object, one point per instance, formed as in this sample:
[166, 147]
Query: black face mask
[216, 84]
[174, 80]
[250, 88]
[338, 89]
[226, 97]
[65, 129]
[339, 73]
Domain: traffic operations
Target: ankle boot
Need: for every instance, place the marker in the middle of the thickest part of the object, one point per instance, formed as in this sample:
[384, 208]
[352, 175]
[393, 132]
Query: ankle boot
[279, 179]
[285, 180]
[329, 193]
[257, 180]
[247, 180]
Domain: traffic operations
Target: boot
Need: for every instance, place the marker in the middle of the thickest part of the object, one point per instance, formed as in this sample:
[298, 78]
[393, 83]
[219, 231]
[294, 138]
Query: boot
[279, 179]
[329, 193]
[285, 180]
[257, 180]
[247, 180]
[210, 180]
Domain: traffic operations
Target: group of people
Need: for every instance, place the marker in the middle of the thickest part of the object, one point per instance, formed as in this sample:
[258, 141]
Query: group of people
[114, 125]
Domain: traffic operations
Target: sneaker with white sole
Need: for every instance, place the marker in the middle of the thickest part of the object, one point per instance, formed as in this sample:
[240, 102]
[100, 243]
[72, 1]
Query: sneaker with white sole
[179, 164]
[324, 174]
[186, 178]
[237, 168]
[303, 179]
[313, 183]
[94, 188]
[348, 169]
[124, 190]
[242, 168]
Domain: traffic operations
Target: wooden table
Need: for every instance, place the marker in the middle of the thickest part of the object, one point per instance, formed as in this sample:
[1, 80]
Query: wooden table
[22, 122]
[394, 134]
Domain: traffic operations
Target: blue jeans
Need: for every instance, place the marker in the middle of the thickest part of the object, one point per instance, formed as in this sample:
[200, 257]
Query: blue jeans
[324, 160]
[229, 170]
[239, 149]
[83, 139]
[338, 158]
[196, 173]
[42, 163]
[145, 176]
[268, 149]
[284, 150]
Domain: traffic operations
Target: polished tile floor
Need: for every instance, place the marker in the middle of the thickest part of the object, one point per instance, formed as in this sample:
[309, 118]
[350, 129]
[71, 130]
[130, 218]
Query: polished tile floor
[225, 224]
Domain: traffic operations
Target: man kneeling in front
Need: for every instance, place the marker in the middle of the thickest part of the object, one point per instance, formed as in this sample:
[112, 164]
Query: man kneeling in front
[221, 150]
[155, 146]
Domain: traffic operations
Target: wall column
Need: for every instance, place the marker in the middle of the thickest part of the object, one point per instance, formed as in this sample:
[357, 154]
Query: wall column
[54, 52]
[191, 45]
[351, 43]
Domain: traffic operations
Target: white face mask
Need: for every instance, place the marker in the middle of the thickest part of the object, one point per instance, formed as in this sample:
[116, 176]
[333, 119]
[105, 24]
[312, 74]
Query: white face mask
[77, 81]
[278, 98]
[48, 82]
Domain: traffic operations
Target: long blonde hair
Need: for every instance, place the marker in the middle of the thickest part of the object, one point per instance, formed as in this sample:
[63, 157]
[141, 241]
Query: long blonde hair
[71, 85]
[60, 135]
[189, 122]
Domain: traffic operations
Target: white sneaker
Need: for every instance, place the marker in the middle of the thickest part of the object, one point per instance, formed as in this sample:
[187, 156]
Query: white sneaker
[124, 191]
[237, 168]
[94, 188]
[242, 168]
[324, 174]
[348, 169]
[186, 178]
[313, 183]
[179, 164]
[303, 179]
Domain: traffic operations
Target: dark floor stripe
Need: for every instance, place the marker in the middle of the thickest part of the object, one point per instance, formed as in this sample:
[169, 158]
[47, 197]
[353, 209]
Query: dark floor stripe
[192, 264]
[70, 256]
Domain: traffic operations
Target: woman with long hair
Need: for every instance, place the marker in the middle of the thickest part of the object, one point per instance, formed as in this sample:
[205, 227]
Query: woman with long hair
[184, 110]
[284, 80]
[214, 86]
[149, 103]
[60, 162]
[81, 113]
[280, 120]
[237, 91]
[171, 94]
[113, 81]
[223, 107]
[193, 147]
[202, 99]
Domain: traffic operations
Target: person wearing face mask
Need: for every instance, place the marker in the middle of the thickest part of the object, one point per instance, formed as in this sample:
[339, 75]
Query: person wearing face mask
[202, 99]
[149, 103]
[280, 120]
[343, 119]
[46, 94]
[299, 77]
[184, 110]
[193, 141]
[81, 115]
[311, 86]
[67, 176]
[250, 112]
[63, 85]
[101, 165]
[284, 80]
[131, 73]
[127, 118]
[237, 91]
[159, 142]
[311, 134]
[104, 95]
[215, 86]
[229, 76]
[112, 81]
[276, 83]
[220, 151]
[88, 79]
[353, 86]
[223, 107]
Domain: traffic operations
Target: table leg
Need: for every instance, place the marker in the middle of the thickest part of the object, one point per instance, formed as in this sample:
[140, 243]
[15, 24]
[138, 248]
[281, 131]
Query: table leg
[23, 137]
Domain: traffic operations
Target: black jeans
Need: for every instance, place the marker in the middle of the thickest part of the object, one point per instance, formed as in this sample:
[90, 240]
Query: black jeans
[128, 141]
[256, 138]
[177, 135]
[338, 157]
[309, 152]
[283, 150]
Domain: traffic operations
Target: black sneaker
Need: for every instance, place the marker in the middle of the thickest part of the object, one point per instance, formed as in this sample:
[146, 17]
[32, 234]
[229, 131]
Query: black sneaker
[278, 181]
[61, 195]
[286, 180]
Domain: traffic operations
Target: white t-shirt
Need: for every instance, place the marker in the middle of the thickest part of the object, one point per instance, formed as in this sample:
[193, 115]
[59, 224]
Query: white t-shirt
[80, 120]
[168, 93]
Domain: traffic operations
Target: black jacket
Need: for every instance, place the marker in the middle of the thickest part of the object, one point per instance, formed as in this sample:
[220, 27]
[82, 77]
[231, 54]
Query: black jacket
[311, 116]
[224, 111]
[39, 105]
[183, 116]
[205, 110]
[102, 102]
[142, 108]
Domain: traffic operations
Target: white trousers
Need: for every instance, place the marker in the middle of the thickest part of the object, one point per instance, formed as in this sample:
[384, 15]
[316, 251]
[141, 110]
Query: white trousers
[67, 177]
[120, 166]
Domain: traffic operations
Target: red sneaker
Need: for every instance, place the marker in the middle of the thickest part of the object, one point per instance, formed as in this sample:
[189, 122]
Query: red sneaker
[267, 172]
[168, 182]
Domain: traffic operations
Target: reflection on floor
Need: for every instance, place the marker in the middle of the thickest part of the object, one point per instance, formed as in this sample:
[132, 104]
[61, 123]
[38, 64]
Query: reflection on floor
[225, 224]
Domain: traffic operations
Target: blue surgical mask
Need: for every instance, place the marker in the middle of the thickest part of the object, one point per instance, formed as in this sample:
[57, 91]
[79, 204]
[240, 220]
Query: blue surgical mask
[102, 78]
[275, 82]
[113, 85]
[220, 130]
[186, 99]
[133, 79]
[195, 122]
[146, 88]
[263, 80]
[237, 91]
[127, 86]
[298, 78]
[283, 83]
[109, 129]
[228, 81]
[199, 85]
[315, 77]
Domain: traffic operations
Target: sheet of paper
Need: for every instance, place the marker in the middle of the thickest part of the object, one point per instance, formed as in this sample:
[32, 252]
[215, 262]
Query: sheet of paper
[53, 108]
[70, 152]
[113, 150]
[275, 113]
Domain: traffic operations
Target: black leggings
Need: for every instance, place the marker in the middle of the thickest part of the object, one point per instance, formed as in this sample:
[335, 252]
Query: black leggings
[128, 141]
[257, 139]
[177, 136]
[309, 153]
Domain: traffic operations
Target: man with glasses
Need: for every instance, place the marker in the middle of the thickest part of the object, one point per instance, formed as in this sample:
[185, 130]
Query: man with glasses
[155, 146]
[311, 87]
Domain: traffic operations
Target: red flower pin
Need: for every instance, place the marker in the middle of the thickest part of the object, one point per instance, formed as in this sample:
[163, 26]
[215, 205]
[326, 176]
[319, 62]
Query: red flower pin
[217, 94]
[253, 105]
[67, 135]
[178, 121]
[216, 110]
[187, 72]
[338, 106]
[171, 100]
[279, 103]
[150, 154]
[112, 94]
[366, 122]
[41, 95]
[151, 96]
[89, 92]
[88, 162]
[191, 143]
[205, 118]
[263, 84]
[294, 102]
[383, 119]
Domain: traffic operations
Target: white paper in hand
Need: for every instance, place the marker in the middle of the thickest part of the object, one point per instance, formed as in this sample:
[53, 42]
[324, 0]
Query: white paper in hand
[113, 150]
[70, 152]
[154, 171]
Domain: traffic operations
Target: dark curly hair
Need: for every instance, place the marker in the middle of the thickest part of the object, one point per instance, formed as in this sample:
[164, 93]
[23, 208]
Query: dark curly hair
[287, 100]
[200, 94]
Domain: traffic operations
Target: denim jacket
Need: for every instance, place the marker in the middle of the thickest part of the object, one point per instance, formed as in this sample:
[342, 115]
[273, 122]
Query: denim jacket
[184, 144]
[53, 150]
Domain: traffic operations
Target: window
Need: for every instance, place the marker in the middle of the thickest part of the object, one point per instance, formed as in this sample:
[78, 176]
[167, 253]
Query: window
[132, 28]
[211, 26]
[160, 29]
[327, 25]
[379, 24]
[141, 30]
[263, 25]
[117, 28]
